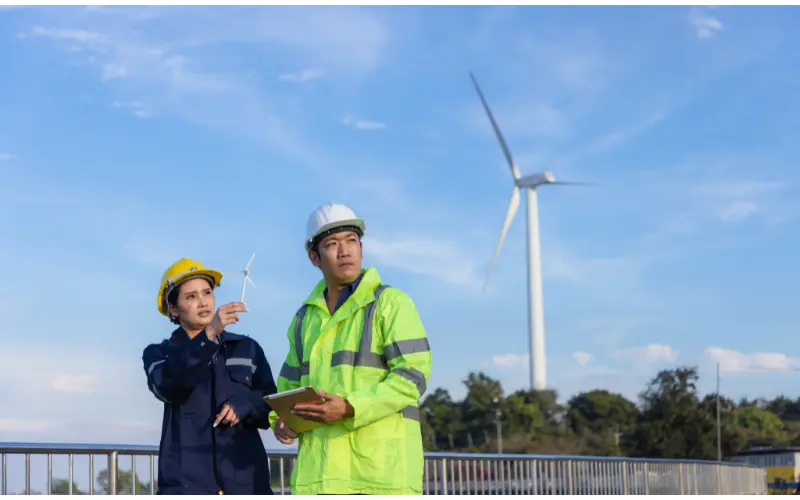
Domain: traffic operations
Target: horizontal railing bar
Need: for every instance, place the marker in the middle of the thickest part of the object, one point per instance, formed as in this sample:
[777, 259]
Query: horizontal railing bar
[135, 449]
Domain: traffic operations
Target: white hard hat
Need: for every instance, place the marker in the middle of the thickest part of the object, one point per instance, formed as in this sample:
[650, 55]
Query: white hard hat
[328, 218]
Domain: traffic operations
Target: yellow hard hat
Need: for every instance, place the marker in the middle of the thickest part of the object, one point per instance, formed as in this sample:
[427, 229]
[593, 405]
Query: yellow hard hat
[179, 272]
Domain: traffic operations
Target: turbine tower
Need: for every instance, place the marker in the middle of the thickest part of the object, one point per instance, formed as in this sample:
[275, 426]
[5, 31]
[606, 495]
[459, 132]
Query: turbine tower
[530, 184]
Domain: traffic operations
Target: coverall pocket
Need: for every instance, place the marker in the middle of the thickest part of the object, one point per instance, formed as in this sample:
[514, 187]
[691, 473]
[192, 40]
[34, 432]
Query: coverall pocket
[241, 375]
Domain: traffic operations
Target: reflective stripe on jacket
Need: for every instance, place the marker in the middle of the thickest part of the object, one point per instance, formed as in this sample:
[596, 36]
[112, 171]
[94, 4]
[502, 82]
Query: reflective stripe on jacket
[374, 352]
[194, 378]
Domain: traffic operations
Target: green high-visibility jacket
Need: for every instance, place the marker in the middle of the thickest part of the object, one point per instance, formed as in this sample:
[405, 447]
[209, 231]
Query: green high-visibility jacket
[375, 353]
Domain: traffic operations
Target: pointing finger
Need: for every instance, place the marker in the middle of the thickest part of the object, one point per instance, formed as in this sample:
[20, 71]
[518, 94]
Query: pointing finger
[222, 415]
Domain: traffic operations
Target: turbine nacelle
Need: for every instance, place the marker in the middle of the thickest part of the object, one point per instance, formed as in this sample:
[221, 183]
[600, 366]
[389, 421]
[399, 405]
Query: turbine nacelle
[535, 180]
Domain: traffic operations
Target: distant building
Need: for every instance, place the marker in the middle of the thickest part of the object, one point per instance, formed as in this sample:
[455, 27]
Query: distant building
[781, 464]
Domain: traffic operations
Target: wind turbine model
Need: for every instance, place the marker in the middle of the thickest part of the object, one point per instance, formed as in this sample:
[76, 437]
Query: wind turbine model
[246, 272]
[535, 309]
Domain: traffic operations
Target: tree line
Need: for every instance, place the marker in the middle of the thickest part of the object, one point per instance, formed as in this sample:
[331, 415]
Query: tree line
[669, 420]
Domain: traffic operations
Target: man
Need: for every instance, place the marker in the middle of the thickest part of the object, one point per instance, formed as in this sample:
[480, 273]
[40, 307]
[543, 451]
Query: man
[212, 383]
[362, 346]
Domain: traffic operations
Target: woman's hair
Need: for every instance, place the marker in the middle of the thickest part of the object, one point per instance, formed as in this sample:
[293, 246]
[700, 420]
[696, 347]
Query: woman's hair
[172, 299]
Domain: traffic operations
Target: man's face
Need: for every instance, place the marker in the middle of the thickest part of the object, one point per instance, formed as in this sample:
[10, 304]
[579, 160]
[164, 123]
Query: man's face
[195, 305]
[339, 257]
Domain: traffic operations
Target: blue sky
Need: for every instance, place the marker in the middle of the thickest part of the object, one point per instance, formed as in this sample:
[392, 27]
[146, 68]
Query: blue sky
[132, 137]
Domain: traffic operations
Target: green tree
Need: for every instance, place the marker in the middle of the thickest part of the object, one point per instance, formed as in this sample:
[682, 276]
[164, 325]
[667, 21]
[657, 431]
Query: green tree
[600, 411]
[442, 417]
[604, 421]
[672, 424]
[478, 407]
[761, 426]
[124, 483]
[61, 487]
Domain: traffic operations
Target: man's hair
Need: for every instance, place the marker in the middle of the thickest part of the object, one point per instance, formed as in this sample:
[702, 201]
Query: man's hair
[318, 239]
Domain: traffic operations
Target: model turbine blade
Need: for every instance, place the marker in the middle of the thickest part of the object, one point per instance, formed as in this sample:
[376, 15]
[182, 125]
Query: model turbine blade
[512, 210]
[246, 277]
[503, 145]
[250, 261]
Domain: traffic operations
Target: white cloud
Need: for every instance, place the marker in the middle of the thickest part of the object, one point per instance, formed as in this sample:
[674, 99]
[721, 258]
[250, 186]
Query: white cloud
[359, 124]
[25, 425]
[621, 136]
[734, 201]
[60, 374]
[582, 358]
[649, 354]
[68, 34]
[137, 109]
[739, 189]
[425, 256]
[734, 361]
[739, 210]
[158, 57]
[520, 120]
[510, 361]
[79, 383]
[304, 76]
[612, 278]
[705, 25]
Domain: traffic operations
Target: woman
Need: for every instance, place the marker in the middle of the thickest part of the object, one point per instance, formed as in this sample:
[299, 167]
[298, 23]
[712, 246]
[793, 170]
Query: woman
[212, 383]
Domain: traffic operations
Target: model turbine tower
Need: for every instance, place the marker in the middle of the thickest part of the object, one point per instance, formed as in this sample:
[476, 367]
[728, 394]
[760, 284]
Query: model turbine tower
[535, 308]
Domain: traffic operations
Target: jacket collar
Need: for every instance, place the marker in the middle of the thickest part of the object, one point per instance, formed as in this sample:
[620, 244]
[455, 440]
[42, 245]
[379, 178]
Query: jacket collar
[179, 336]
[361, 296]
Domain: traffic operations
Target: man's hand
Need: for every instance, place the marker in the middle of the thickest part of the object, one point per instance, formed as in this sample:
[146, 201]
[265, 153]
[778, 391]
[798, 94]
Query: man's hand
[334, 408]
[225, 316]
[227, 415]
[283, 433]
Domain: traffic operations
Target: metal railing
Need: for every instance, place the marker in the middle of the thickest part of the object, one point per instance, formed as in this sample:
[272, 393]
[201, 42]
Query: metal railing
[445, 473]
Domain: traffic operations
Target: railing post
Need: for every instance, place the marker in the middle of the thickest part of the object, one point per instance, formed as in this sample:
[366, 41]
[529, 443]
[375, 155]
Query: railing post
[625, 490]
[646, 478]
[570, 488]
[681, 478]
[112, 473]
[444, 477]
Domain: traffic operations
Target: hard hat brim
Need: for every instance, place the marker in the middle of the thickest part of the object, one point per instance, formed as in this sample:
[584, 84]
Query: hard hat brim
[216, 276]
[359, 223]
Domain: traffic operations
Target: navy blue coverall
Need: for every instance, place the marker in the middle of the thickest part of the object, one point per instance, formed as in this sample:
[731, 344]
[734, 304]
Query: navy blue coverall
[194, 378]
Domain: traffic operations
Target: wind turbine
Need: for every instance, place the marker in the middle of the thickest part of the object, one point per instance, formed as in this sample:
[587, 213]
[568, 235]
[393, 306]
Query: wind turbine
[246, 278]
[535, 308]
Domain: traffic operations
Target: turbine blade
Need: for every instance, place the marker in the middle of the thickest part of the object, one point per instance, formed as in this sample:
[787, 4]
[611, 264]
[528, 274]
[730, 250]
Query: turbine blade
[250, 261]
[503, 145]
[574, 183]
[251, 282]
[512, 210]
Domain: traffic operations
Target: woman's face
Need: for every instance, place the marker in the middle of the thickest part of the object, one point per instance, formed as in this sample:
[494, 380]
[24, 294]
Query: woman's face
[195, 305]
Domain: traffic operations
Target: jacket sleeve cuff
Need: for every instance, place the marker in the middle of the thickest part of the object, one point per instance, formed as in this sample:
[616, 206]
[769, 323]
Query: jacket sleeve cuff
[273, 417]
[241, 405]
[361, 410]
